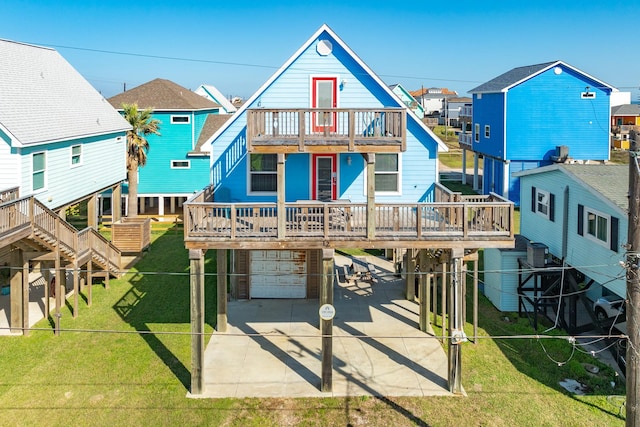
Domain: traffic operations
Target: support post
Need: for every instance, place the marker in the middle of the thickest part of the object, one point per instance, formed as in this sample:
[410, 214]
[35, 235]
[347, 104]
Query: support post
[25, 296]
[463, 175]
[371, 195]
[456, 327]
[116, 203]
[280, 185]
[59, 292]
[196, 282]
[475, 171]
[16, 295]
[76, 286]
[92, 211]
[410, 275]
[221, 255]
[475, 301]
[326, 326]
[89, 284]
[633, 288]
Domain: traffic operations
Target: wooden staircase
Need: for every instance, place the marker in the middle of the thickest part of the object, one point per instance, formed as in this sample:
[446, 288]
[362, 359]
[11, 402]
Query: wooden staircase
[26, 221]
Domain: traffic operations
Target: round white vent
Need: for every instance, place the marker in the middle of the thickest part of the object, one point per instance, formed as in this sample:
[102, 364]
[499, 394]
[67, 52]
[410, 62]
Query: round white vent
[324, 47]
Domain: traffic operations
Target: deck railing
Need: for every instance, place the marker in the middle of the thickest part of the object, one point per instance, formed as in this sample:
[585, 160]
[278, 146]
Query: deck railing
[481, 217]
[465, 139]
[336, 126]
[9, 194]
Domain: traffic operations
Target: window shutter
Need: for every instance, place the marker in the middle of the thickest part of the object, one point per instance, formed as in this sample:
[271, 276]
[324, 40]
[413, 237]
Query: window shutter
[533, 199]
[552, 207]
[613, 237]
[581, 220]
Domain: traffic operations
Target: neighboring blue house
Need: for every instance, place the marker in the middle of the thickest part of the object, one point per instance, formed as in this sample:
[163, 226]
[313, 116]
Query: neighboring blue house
[408, 99]
[535, 115]
[56, 131]
[177, 161]
[581, 213]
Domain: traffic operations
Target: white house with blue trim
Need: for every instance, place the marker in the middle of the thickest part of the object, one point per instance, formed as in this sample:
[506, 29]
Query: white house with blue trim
[60, 140]
[536, 115]
[580, 212]
[212, 93]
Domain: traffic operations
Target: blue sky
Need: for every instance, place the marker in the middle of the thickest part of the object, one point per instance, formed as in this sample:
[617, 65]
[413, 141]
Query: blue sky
[236, 46]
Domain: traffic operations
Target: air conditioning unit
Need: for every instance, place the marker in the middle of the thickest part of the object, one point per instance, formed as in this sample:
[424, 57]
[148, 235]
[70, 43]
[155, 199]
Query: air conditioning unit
[537, 254]
[562, 151]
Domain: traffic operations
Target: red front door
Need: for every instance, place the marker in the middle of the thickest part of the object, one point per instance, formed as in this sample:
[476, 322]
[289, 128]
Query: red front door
[325, 177]
[324, 95]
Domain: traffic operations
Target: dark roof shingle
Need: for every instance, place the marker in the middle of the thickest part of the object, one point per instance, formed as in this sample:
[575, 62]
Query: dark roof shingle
[161, 94]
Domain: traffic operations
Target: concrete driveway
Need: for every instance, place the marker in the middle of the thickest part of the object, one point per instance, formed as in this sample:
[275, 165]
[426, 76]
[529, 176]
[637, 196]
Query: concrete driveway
[273, 347]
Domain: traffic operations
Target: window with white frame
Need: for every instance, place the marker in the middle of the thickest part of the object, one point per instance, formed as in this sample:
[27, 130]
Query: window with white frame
[542, 203]
[387, 172]
[476, 133]
[263, 173]
[180, 120]
[180, 164]
[596, 225]
[487, 131]
[38, 170]
[76, 155]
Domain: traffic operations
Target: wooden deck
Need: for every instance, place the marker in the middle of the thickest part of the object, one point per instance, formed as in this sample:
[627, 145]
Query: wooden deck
[332, 130]
[481, 221]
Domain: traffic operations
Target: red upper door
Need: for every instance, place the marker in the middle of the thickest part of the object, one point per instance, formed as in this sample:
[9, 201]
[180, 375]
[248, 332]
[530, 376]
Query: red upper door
[324, 94]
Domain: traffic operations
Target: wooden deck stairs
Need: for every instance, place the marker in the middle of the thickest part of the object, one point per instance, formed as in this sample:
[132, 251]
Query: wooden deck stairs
[30, 225]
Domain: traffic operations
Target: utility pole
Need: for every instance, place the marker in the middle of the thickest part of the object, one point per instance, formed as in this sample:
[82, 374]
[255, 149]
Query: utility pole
[633, 288]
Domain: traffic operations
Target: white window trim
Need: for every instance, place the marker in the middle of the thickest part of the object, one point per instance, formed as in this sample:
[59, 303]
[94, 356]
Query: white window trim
[75, 165]
[548, 195]
[386, 193]
[257, 193]
[173, 122]
[590, 236]
[476, 132]
[188, 166]
[46, 178]
[487, 131]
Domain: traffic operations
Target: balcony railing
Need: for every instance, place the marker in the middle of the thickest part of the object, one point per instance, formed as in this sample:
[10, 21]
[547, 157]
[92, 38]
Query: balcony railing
[313, 130]
[470, 218]
[465, 140]
[466, 111]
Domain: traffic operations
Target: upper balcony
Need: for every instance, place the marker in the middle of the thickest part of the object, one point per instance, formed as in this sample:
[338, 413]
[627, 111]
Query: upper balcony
[465, 139]
[334, 130]
[466, 112]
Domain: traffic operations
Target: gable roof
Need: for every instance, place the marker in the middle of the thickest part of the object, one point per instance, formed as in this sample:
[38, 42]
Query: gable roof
[44, 99]
[212, 93]
[343, 45]
[609, 182]
[626, 110]
[162, 94]
[513, 77]
[211, 125]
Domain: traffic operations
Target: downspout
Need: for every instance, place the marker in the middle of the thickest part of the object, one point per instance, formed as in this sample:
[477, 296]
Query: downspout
[565, 223]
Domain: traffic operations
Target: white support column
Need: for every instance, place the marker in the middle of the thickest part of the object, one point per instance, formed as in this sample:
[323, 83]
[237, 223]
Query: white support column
[464, 167]
[160, 206]
[505, 179]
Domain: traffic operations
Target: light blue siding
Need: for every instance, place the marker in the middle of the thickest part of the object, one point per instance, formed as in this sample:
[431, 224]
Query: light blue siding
[595, 260]
[292, 89]
[102, 164]
[501, 277]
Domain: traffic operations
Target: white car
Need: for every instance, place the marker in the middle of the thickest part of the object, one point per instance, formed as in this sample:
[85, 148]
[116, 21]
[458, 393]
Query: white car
[608, 306]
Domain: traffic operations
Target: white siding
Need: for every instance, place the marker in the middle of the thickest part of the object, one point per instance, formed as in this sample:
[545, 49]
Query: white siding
[596, 261]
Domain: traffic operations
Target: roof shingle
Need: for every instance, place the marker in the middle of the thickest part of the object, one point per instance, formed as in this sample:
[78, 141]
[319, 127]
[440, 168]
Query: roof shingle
[161, 94]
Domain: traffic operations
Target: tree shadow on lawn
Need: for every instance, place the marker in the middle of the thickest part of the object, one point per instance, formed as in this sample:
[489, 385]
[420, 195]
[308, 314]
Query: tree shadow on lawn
[159, 296]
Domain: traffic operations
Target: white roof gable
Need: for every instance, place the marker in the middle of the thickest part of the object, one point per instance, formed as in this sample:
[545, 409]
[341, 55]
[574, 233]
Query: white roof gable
[44, 99]
[212, 93]
[305, 46]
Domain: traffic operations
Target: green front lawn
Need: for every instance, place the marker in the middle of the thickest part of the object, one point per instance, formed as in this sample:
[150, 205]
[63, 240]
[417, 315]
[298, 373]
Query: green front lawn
[126, 361]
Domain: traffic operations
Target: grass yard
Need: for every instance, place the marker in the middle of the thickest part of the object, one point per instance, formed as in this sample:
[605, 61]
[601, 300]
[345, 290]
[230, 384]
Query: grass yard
[128, 363]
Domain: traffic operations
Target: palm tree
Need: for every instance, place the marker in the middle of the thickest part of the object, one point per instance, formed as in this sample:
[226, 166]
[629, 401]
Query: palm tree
[142, 125]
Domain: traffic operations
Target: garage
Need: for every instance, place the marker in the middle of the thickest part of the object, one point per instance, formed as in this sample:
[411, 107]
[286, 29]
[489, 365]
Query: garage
[278, 274]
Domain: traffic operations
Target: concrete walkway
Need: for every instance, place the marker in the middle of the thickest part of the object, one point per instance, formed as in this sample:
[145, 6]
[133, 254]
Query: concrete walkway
[273, 347]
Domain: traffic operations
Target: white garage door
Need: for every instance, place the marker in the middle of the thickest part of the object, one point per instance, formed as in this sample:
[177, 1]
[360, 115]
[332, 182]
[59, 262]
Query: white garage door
[278, 274]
